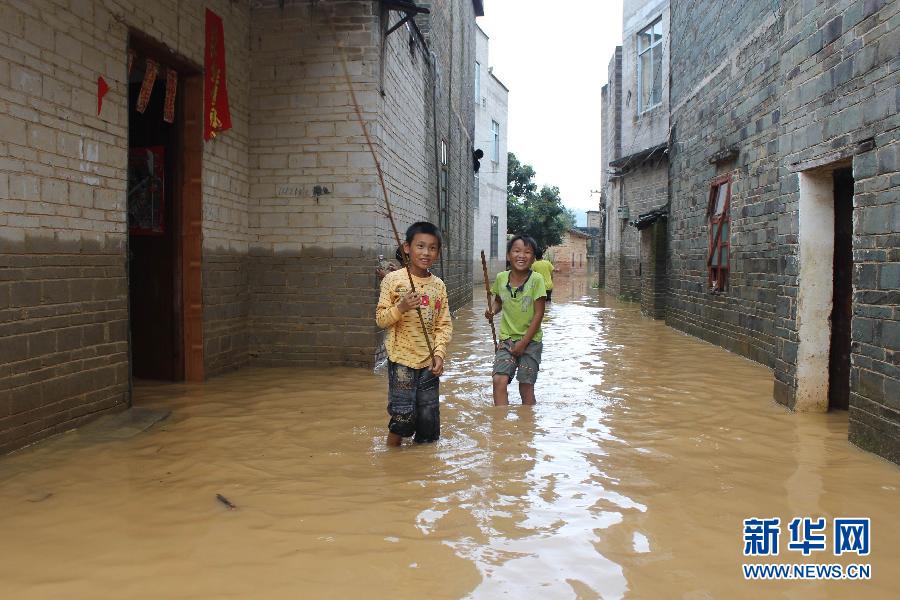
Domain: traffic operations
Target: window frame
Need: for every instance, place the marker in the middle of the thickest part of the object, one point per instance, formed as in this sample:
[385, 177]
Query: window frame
[444, 189]
[717, 244]
[640, 54]
[495, 236]
[495, 141]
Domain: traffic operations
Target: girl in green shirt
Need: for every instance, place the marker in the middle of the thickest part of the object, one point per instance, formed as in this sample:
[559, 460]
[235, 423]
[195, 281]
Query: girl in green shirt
[520, 295]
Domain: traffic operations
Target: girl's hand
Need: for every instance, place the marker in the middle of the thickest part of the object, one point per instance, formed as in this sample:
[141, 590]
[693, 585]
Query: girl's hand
[437, 367]
[519, 348]
[409, 301]
[489, 314]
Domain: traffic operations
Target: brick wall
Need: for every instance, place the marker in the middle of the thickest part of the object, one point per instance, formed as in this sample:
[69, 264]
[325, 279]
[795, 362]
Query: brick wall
[571, 256]
[611, 133]
[792, 89]
[643, 188]
[305, 133]
[63, 296]
[450, 31]
[839, 62]
[654, 278]
[312, 258]
[271, 244]
[736, 106]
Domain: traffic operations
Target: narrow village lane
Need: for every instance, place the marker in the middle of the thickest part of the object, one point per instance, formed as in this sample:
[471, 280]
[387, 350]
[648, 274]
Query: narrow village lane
[630, 478]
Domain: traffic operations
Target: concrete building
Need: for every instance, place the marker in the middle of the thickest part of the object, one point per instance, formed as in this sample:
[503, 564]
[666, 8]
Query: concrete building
[259, 246]
[783, 230]
[491, 102]
[635, 130]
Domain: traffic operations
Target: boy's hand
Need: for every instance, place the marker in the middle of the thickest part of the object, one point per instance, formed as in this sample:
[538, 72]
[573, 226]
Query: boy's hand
[489, 314]
[437, 367]
[409, 301]
[518, 348]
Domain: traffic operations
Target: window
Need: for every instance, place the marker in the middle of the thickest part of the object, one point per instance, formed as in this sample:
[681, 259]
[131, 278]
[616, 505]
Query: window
[650, 49]
[444, 211]
[495, 235]
[477, 191]
[717, 215]
[495, 141]
[477, 83]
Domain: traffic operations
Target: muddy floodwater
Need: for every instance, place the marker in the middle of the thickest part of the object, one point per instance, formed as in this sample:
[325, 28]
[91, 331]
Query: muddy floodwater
[630, 478]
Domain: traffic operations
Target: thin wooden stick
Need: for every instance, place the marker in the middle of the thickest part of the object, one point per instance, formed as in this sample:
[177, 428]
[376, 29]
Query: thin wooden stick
[384, 191]
[487, 288]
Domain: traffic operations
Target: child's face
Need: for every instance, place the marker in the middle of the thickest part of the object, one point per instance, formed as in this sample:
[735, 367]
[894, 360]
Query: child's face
[520, 256]
[423, 251]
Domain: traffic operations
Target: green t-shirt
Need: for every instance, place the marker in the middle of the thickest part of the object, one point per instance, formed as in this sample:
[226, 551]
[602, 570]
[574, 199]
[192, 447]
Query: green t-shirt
[518, 305]
[545, 268]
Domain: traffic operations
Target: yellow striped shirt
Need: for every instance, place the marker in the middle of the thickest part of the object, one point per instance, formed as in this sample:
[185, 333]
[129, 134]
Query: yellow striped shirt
[405, 343]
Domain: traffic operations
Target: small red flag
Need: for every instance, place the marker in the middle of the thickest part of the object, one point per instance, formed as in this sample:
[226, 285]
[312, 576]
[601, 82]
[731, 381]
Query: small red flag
[171, 88]
[102, 88]
[147, 85]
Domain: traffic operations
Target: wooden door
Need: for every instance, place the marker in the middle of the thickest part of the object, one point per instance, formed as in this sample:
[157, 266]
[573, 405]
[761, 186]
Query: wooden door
[191, 246]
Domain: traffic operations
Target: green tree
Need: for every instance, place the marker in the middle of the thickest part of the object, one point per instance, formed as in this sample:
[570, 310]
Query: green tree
[519, 178]
[539, 214]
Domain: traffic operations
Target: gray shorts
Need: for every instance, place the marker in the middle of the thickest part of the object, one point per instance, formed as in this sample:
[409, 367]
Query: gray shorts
[527, 365]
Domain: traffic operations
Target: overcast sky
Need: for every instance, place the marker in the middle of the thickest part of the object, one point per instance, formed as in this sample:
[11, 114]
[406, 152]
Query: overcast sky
[553, 58]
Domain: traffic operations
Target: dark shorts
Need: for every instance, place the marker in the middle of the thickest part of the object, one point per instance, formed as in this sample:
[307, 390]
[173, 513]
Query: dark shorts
[413, 403]
[526, 365]
[549, 295]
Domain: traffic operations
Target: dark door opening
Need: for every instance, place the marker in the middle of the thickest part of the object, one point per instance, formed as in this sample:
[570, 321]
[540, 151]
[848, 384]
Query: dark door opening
[842, 300]
[163, 204]
[152, 234]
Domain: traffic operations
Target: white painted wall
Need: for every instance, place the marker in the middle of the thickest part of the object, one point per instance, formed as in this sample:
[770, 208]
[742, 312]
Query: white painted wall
[490, 106]
[641, 130]
[814, 300]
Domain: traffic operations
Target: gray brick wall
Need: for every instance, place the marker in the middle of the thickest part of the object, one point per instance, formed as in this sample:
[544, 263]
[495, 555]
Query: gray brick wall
[792, 86]
[611, 132]
[654, 278]
[735, 106]
[64, 332]
[840, 60]
[643, 188]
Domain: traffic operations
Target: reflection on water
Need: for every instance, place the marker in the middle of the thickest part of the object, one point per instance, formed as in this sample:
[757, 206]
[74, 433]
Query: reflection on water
[630, 478]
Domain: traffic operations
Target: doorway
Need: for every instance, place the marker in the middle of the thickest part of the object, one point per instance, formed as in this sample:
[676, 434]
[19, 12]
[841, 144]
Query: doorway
[163, 199]
[825, 294]
[842, 292]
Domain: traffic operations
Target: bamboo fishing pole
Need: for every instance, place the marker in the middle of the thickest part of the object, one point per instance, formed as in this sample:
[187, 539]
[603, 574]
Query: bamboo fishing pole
[387, 202]
[487, 288]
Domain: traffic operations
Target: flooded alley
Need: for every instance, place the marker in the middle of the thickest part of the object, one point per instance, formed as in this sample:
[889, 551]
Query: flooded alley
[630, 478]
